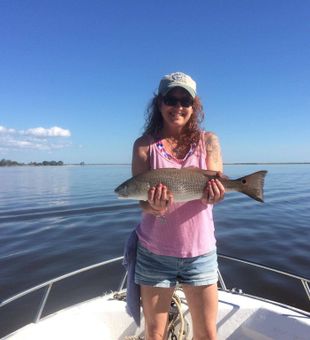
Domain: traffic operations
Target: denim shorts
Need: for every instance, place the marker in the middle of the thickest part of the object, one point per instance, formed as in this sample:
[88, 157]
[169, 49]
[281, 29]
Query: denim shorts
[166, 271]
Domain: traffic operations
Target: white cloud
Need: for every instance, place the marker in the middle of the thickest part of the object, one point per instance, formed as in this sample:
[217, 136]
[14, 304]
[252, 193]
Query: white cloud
[33, 139]
[54, 131]
[4, 130]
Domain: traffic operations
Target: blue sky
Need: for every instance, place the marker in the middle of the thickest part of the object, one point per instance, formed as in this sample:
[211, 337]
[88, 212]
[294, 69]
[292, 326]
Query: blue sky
[76, 76]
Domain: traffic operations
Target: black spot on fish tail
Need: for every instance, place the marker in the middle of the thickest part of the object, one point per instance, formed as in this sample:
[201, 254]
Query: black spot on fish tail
[253, 185]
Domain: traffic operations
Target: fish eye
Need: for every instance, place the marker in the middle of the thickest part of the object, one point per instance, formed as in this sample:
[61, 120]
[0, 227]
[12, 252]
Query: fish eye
[243, 181]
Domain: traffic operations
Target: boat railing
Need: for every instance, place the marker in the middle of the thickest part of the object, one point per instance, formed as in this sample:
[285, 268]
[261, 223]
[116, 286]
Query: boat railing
[304, 281]
[48, 285]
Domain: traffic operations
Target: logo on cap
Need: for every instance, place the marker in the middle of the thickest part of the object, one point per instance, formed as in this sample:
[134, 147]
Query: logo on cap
[178, 76]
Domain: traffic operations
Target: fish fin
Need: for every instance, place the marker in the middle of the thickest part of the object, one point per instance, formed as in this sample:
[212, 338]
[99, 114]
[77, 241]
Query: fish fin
[253, 185]
[207, 173]
[211, 173]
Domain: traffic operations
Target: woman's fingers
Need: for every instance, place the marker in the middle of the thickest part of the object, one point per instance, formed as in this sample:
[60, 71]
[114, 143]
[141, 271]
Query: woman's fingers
[158, 192]
[151, 194]
[211, 192]
[214, 192]
[170, 198]
[218, 190]
[159, 197]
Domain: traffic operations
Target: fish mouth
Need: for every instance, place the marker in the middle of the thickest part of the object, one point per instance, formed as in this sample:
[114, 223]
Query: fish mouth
[121, 192]
[121, 196]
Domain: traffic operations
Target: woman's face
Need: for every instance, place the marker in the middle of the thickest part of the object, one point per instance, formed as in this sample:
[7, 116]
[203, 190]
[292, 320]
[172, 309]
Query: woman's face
[176, 108]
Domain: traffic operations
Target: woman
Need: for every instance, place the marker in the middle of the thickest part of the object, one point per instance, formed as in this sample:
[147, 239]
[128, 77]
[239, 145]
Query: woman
[176, 240]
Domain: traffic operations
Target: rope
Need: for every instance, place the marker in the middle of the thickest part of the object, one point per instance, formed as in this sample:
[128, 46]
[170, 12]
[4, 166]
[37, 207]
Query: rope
[177, 316]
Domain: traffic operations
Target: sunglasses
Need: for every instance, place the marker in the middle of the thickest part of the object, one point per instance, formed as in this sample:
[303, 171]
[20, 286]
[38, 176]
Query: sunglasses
[173, 101]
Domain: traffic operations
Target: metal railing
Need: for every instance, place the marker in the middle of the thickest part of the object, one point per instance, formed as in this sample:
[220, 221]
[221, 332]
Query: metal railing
[49, 284]
[305, 282]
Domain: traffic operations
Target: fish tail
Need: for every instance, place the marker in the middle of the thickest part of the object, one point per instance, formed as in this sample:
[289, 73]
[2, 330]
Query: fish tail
[253, 185]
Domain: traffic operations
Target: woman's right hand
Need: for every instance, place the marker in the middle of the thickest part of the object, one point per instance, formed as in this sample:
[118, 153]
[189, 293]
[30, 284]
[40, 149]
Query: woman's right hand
[159, 199]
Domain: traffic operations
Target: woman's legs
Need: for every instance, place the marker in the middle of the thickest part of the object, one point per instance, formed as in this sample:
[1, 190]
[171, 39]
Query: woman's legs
[156, 303]
[152, 270]
[203, 305]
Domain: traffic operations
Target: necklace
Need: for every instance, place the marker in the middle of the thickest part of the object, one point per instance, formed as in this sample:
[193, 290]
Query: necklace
[177, 149]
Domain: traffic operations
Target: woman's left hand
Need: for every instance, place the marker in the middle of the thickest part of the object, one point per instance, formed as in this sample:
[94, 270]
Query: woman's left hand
[213, 193]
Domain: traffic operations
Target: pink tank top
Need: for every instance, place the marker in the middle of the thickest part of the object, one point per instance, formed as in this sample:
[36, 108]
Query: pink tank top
[187, 229]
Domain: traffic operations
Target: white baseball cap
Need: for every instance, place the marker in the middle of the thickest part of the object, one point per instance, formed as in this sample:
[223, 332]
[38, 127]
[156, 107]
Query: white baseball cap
[177, 79]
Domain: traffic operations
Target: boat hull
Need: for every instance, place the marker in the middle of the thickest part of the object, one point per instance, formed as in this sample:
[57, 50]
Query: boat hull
[240, 317]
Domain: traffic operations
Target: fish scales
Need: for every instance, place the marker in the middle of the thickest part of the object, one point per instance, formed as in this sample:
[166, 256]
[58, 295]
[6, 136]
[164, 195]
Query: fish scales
[185, 185]
[189, 183]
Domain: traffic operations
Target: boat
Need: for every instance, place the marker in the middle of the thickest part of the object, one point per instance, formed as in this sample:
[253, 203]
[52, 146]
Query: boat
[78, 306]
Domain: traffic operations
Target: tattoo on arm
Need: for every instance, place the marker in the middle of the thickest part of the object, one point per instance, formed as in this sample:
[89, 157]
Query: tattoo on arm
[214, 150]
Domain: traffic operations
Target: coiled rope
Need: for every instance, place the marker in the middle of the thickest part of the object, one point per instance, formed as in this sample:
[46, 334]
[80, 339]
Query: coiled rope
[175, 316]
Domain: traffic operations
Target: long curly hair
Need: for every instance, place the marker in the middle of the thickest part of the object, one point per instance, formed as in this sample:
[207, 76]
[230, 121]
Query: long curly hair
[154, 121]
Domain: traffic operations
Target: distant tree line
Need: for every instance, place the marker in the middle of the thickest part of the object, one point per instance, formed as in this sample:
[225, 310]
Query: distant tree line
[8, 162]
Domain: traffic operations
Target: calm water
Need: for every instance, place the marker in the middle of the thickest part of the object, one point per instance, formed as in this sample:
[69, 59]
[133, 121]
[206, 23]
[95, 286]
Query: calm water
[54, 220]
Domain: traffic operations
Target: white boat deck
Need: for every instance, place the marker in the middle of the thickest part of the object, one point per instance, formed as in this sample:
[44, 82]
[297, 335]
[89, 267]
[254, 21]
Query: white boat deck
[240, 317]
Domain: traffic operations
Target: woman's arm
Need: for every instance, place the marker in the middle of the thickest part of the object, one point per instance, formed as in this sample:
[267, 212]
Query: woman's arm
[158, 197]
[140, 156]
[214, 191]
[214, 156]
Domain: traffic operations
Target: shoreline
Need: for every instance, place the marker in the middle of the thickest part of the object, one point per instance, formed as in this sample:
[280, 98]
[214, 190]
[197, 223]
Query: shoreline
[127, 164]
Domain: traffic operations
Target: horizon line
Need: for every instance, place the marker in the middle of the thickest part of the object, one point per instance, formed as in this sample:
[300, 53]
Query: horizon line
[112, 163]
[225, 163]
